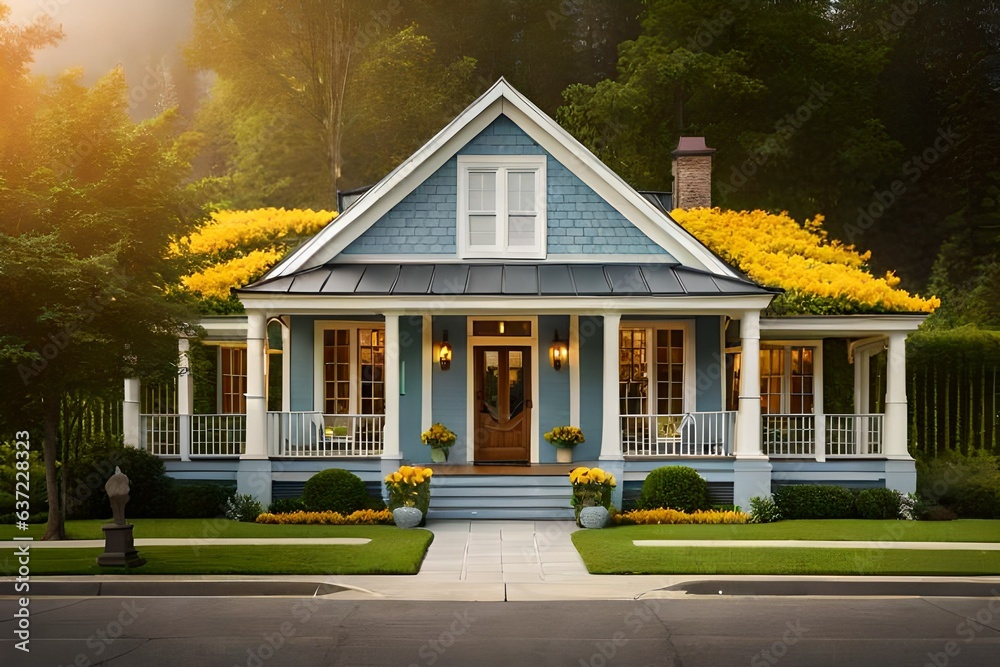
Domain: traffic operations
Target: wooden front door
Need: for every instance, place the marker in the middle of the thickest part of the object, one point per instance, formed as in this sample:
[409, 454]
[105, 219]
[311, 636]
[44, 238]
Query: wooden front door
[502, 404]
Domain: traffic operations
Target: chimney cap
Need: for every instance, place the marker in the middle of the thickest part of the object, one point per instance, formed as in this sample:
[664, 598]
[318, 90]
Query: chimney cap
[692, 146]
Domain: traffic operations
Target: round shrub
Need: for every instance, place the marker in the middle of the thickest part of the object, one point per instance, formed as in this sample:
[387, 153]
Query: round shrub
[814, 501]
[243, 507]
[879, 504]
[334, 490]
[763, 510]
[674, 487]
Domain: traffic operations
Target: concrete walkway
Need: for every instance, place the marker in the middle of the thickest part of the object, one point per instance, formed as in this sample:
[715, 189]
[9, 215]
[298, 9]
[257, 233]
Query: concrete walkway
[503, 560]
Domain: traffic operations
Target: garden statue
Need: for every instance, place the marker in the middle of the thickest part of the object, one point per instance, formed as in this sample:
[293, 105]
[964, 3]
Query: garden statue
[118, 488]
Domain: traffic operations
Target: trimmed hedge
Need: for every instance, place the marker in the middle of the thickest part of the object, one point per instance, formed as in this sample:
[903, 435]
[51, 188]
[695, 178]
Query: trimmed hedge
[814, 501]
[674, 487]
[202, 501]
[879, 504]
[334, 490]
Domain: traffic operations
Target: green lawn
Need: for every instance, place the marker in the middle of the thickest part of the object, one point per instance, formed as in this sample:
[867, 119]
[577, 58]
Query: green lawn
[611, 551]
[391, 550]
[963, 530]
[190, 528]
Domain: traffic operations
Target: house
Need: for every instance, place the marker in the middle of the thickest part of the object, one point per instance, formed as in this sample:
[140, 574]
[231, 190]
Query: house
[503, 281]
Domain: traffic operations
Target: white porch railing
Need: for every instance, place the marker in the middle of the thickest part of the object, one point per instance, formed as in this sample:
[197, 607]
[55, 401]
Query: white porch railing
[160, 434]
[689, 434]
[316, 435]
[820, 436]
[854, 435]
[218, 435]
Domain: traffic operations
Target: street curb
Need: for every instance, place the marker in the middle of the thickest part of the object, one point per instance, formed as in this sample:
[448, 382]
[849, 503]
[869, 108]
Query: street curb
[716, 587]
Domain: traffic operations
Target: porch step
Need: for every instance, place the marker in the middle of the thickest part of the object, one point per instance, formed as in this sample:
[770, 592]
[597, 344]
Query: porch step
[534, 497]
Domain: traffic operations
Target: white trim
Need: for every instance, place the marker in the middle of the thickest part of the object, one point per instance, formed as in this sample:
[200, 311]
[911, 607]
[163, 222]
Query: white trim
[841, 326]
[645, 259]
[501, 98]
[689, 396]
[319, 326]
[442, 304]
[426, 373]
[501, 165]
[391, 384]
[286, 365]
[611, 437]
[472, 341]
[574, 370]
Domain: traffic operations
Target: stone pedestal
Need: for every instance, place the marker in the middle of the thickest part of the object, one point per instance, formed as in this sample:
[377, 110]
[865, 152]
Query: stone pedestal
[119, 547]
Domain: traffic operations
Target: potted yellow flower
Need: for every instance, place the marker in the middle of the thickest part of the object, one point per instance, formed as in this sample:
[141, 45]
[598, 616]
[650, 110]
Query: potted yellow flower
[440, 440]
[409, 494]
[564, 439]
[591, 496]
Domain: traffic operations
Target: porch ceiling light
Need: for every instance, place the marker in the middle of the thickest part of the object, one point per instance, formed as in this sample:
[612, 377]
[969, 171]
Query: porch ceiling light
[444, 353]
[557, 352]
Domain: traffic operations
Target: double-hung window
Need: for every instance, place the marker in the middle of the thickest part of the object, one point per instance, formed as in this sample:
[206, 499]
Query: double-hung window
[501, 206]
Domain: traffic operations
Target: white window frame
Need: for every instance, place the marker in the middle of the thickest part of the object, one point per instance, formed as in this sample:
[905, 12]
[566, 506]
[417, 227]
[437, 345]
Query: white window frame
[786, 395]
[319, 390]
[690, 393]
[502, 164]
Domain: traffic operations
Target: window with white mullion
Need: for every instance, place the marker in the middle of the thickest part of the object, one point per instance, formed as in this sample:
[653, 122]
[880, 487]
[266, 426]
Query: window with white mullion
[482, 209]
[522, 214]
[501, 204]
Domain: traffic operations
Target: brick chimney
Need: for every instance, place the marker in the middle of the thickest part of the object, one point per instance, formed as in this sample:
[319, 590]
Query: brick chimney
[692, 167]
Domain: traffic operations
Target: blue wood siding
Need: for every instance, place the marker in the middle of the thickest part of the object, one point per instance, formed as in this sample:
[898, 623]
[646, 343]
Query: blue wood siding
[449, 393]
[553, 386]
[710, 362]
[591, 387]
[410, 354]
[579, 220]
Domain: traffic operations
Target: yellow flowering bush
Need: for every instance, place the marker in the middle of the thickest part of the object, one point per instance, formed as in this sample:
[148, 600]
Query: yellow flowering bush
[669, 516]
[359, 518]
[820, 276]
[234, 248]
[410, 486]
[565, 436]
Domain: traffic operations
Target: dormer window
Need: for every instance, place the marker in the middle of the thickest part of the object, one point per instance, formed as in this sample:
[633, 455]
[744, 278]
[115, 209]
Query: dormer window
[501, 206]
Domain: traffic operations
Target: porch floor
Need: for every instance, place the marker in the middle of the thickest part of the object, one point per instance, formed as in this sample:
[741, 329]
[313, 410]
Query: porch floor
[540, 469]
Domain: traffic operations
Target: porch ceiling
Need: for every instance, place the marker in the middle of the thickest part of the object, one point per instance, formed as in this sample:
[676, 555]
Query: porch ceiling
[513, 280]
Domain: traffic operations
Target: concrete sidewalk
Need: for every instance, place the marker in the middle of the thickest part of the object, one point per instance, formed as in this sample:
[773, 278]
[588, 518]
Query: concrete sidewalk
[497, 561]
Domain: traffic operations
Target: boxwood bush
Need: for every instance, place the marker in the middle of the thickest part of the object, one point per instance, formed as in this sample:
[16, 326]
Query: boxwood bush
[202, 501]
[674, 487]
[335, 490]
[879, 503]
[814, 501]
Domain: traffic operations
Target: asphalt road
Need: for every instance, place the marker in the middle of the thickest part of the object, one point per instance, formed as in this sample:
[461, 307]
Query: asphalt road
[710, 631]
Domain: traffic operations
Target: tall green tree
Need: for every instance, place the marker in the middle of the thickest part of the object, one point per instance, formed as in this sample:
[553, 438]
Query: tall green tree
[88, 200]
[305, 88]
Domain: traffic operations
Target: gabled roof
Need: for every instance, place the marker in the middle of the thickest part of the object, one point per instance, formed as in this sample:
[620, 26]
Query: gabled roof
[501, 99]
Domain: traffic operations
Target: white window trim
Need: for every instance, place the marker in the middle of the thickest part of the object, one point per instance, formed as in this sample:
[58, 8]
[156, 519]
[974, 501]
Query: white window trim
[319, 393]
[690, 395]
[502, 163]
[786, 394]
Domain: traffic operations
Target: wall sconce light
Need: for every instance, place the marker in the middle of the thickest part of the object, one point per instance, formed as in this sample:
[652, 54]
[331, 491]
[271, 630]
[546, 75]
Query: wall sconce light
[557, 352]
[444, 354]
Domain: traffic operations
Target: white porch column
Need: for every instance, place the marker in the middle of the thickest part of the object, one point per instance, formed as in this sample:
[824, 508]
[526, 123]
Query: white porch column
[751, 469]
[130, 413]
[748, 418]
[611, 445]
[895, 399]
[390, 432]
[185, 397]
[256, 402]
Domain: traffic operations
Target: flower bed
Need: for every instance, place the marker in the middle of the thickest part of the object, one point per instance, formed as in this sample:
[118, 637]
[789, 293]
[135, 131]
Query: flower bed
[359, 518]
[668, 516]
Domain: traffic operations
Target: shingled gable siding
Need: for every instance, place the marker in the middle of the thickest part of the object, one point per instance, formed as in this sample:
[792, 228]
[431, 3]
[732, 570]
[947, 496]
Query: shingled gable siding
[579, 220]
